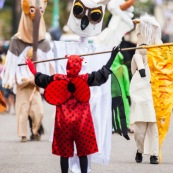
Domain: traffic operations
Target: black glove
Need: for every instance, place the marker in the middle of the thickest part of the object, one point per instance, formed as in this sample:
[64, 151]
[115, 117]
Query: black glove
[142, 72]
[115, 50]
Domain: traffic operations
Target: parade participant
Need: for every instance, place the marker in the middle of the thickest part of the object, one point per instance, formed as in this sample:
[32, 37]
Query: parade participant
[73, 122]
[143, 114]
[86, 20]
[28, 98]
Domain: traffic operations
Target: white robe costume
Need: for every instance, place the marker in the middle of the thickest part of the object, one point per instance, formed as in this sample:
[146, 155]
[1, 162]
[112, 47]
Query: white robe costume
[143, 114]
[22, 81]
[140, 92]
[100, 101]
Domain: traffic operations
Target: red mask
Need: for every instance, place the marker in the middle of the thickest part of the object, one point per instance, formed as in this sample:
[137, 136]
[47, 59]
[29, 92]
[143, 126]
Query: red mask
[74, 65]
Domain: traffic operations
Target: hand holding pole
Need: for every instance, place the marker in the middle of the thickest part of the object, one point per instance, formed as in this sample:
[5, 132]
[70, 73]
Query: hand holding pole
[31, 66]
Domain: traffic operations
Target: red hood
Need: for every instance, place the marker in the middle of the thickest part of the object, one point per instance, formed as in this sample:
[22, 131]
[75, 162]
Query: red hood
[74, 65]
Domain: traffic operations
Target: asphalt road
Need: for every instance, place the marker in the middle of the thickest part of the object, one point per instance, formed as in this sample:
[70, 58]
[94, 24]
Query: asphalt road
[36, 157]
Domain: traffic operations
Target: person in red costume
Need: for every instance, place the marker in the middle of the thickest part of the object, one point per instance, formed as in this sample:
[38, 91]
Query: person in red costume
[73, 121]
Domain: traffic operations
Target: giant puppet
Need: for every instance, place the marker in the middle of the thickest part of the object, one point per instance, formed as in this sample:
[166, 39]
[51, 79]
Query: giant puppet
[85, 20]
[143, 114]
[28, 98]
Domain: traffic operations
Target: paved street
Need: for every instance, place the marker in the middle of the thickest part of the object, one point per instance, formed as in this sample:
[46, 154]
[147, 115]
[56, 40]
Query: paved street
[36, 157]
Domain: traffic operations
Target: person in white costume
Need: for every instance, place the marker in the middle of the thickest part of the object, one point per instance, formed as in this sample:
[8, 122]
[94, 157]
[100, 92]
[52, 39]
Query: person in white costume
[119, 25]
[28, 97]
[142, 110]
[85, 20]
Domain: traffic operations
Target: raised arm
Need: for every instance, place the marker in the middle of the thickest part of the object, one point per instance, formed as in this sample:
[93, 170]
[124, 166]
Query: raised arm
[41, 80]
[101, 76]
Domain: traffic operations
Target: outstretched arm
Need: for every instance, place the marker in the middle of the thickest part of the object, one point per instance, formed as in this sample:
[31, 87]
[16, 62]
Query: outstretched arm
[101, 76]
[41, 80]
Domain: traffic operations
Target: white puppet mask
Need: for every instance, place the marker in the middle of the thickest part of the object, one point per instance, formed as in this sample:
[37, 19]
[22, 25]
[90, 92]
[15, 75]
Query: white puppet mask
[86, 17]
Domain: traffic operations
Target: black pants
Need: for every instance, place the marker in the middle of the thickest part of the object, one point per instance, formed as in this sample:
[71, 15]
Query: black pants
[83, 164]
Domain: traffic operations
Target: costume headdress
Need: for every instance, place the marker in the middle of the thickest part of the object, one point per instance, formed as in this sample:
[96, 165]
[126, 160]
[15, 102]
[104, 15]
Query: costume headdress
[25, 30]
[86, 17]
[148, 28]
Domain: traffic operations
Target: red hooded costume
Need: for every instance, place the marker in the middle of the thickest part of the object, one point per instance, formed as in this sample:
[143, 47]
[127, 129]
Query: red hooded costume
[73, 123]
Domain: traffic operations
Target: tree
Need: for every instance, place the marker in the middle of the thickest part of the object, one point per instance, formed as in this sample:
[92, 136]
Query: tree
[16, 8]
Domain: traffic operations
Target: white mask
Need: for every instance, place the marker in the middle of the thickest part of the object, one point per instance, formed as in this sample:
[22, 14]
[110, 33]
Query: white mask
[86, 17]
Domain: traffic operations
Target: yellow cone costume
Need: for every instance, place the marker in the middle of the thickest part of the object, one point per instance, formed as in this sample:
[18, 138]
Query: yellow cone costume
[160, 62]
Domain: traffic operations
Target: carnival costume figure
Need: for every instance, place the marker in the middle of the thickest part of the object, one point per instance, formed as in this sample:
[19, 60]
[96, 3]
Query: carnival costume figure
[86, 20]
[73, 121]
[143, 114]
[28, 97]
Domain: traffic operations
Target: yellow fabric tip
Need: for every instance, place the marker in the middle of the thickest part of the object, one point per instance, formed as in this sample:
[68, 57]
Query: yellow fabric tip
[161, 66]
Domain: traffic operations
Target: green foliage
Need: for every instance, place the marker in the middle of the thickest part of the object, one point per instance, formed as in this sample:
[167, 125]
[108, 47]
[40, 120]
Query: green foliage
[106, 18]
[64, 13]
[64, 10]
[143, 7]
[5, 23]
[8, 3]
[48, 14]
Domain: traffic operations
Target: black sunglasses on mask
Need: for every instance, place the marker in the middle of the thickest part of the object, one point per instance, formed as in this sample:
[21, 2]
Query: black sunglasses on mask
[94, 14]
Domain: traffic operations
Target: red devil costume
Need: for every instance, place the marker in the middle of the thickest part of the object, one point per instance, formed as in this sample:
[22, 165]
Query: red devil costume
[70, 93]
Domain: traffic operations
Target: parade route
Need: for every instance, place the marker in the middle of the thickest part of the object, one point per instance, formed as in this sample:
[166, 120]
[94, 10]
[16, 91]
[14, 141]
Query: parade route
[36, 157]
